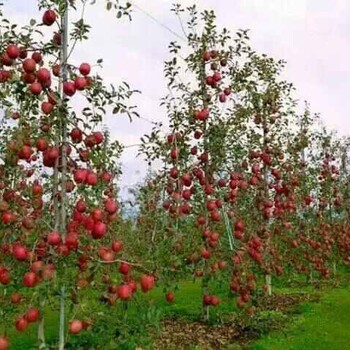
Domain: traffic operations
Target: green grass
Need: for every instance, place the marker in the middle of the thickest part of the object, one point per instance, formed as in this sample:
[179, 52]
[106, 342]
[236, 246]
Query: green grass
[187, 306]
[319, 326]
[322, 325]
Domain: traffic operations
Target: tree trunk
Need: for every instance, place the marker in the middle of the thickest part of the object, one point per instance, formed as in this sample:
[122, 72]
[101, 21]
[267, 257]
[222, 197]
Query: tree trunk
[63, 127]
[41, 326]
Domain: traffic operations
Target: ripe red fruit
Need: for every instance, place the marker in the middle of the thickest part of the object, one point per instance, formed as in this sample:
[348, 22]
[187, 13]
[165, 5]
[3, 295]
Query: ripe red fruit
[211, 205]
[111, 206]
[80, 175]
[147, 283]
[69, 88]
[35, 88]
[98, 136]
[174, 153]
[84, 69]
[29, 65]
[76, 135]
[21, 324]
[186, 194]
[202, 115]
[56, 70]
[5, 277]
[239, 225]
[80, 206]
[28, 78]
[215, 215]
[15, 298]
[37, 266]
[117, 246]
[49, 17]
[124, 292]
[46, 107]
[32, 315]
[25, 152]
[53, 153]
[36, 56]
[217, 77]
[209, 80]
[170, 297]
[20, 252]
[91, 179]
[107, 255]
[4, 343]
[215, 300]
[133, 286]
[12, 51]
[97, 214]
[207, 299]
[99, 230]
[124, 268]
[222, 98]
[206, 56]
[41, 145]
[227, 91]
[174, 173]
[30, 279]
[23, 53]
[75, 326]
[6, 60]
[205, 253]
[54, 238]
[80, 83]
[43, 75]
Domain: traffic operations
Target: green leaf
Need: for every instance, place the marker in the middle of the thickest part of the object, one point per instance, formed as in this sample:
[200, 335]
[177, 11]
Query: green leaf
[32, 22]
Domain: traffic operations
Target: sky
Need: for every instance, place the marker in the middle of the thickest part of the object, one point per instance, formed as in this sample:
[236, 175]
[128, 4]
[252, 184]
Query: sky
[311, 35]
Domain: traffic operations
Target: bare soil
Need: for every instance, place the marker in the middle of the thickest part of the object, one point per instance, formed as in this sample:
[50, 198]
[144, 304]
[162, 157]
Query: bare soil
[183, 334]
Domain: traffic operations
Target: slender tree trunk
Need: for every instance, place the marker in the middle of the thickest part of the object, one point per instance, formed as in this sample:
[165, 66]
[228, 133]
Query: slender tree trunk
[41, 326]
[268, 282]
[63, 130]
[205, 278]
[268, 279]
[62, 338]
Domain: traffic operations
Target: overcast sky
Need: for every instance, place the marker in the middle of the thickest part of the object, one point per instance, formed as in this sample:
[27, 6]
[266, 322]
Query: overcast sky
[313, 36]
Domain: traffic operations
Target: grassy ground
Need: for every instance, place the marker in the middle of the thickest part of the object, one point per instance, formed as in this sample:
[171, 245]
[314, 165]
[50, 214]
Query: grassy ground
[320, 326]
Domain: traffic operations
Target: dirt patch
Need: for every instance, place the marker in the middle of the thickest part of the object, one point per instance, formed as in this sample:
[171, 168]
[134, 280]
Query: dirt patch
[183, 335]
[284, 302]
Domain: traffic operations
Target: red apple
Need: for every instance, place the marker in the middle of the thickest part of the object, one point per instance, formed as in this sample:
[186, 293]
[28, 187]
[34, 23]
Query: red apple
[49, 17]
[99, 230]
[124, 292]
[54, 238]
[69, 88]
[84, 69]
[32, 315]
[80, 83]
[147, 283]
[21, 324]
[117, 246]
[75, 326]
[35, 88]
[4, 343]
[30, 279]
[13, 51]
[170, 297]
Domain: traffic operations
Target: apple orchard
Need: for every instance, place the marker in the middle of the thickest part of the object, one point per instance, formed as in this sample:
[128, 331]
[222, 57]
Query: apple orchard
[249, 191]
